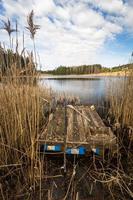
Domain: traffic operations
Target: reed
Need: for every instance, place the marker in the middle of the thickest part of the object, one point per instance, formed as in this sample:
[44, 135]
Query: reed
[21, 121]
[32, 27]
[7, 26]
[120, 96]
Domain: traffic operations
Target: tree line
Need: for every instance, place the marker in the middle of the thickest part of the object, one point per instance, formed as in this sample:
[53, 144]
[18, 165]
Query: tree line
[83, 69]
[122, 67]
[86, 69]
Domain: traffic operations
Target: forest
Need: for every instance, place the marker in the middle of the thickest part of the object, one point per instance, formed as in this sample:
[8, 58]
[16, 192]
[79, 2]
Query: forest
[86, 69]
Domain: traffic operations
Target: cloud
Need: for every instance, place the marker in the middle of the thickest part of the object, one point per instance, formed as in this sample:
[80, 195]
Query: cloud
[73, 32]
[118, 10]
[110, 6]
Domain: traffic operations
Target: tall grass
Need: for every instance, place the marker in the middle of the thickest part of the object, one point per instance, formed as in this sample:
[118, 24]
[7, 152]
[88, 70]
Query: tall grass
[120, 96]
[21, 121]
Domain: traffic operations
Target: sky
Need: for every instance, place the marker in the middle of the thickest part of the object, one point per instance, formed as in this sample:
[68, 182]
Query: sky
[74, 32]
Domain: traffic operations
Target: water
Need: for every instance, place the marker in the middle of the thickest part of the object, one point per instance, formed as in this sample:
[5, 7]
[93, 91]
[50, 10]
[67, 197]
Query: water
[90, 90]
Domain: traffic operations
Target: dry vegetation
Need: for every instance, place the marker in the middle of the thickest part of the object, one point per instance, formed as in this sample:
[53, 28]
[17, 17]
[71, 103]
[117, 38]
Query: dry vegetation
[120, 118]
[120, 95]
[21, 121]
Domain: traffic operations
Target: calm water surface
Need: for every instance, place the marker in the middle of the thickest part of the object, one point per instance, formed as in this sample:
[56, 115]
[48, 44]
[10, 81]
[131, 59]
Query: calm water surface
[90, 90]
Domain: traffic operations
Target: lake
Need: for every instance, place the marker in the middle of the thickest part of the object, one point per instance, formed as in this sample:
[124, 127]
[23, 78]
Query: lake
[90, 90]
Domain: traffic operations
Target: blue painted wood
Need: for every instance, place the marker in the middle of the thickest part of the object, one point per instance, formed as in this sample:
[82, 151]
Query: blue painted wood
[56, 148]
[76, 151]
[96, 151]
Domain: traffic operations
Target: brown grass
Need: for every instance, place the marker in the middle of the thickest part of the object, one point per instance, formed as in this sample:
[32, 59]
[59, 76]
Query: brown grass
[120, 95]
[21, 120]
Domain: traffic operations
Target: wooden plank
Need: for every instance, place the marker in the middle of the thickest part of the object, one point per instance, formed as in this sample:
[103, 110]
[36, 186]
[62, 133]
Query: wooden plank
[94, 140]
[91, 113]
[84, 127]
[70, 125]
[76, 131]
[96, 117]
[81, 127]
[60, 142]
[55, 128]
[87, 131]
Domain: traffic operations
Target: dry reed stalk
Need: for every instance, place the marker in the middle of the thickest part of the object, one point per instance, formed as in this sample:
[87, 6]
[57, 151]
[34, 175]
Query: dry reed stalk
[21, 119]
[33, 29]
[120, 96]
[8, 27]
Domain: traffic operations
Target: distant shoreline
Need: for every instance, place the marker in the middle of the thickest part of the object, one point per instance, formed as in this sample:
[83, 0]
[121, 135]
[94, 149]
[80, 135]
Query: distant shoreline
[104, 74]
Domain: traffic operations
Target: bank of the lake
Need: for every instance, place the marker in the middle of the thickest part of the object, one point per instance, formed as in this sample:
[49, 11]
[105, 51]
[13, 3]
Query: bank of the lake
[104, 74]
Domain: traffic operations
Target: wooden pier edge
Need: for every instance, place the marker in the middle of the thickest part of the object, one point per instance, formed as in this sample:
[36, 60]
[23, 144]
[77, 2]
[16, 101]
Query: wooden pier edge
[87, 129]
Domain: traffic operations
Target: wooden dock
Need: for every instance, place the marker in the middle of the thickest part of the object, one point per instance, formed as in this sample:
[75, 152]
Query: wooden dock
[76, 129]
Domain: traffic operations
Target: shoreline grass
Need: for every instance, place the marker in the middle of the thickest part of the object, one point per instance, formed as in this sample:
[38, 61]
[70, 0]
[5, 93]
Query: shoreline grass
[105, 74]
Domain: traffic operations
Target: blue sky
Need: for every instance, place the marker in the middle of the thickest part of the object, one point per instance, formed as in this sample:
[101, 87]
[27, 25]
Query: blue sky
[74, 32]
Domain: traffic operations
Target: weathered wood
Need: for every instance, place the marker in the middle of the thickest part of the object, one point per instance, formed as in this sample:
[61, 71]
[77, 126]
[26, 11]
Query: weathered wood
[81, 128]
[84, 126]
[70, 125]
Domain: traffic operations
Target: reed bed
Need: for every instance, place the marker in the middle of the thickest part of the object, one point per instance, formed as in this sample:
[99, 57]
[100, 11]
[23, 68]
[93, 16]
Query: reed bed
[120, 118]
[120, 96]
[22, 172]
[21, 116]
[21, 120]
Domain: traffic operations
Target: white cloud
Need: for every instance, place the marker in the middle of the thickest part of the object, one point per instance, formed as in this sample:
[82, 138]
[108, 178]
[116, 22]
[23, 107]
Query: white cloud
[119, 11]
[72, 32]
[43, 8]
[111, 6]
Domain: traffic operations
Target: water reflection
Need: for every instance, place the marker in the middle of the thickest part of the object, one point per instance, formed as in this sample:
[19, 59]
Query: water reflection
[89, 90]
